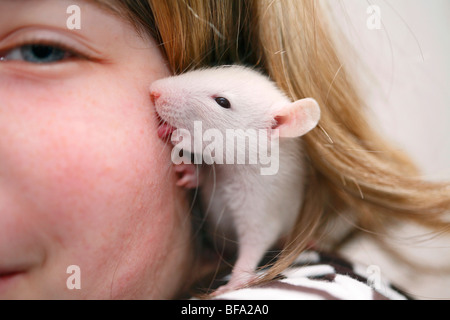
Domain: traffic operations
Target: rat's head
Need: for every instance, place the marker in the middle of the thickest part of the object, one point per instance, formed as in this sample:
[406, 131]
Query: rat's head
[230, 97]
[227, 97]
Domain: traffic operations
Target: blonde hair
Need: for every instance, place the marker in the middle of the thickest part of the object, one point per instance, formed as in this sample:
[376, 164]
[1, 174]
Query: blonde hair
[352, 171]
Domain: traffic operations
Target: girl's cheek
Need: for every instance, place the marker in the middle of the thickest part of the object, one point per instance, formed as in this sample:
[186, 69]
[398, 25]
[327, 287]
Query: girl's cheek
[85, 164]
[63, 140]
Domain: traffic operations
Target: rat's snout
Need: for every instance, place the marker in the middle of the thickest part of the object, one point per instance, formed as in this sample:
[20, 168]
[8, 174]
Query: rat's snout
[165, 94]
[156, 91]
[154, 95]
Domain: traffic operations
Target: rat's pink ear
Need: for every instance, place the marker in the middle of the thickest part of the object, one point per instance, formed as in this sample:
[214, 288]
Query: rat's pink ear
[297, 118]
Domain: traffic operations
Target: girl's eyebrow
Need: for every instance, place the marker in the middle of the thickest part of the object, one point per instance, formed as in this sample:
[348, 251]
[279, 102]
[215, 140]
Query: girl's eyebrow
[107, 6]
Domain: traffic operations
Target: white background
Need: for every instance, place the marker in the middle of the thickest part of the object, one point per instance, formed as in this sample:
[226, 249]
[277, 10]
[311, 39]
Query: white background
[410, 58]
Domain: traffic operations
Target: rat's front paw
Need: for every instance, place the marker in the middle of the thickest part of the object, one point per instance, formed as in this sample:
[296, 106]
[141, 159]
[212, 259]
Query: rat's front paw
[188, 175]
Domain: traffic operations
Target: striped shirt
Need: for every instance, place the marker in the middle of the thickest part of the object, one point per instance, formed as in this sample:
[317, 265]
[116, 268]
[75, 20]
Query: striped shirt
[321, 276]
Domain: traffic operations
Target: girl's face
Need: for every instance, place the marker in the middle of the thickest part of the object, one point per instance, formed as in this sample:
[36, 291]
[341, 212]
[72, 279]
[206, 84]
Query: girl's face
[84, 179]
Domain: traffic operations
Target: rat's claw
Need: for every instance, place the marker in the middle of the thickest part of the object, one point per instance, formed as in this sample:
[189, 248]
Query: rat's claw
[241, 281]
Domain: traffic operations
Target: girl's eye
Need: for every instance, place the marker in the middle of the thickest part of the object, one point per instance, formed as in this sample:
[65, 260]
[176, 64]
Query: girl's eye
[37, 53]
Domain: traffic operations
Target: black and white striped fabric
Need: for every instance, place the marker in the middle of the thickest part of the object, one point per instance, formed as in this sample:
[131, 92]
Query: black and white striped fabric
[322, 276]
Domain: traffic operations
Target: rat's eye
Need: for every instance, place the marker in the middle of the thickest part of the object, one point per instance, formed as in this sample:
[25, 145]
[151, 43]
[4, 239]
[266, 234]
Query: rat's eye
[224, 103]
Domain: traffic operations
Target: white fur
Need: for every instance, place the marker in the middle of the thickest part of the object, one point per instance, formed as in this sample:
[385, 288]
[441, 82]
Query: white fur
[255, 210]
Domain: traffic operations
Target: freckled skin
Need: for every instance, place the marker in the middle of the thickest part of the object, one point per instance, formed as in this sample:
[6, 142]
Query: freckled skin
[84, 178]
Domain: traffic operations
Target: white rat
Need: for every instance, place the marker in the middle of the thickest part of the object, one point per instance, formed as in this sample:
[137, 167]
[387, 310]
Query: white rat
[254, 209]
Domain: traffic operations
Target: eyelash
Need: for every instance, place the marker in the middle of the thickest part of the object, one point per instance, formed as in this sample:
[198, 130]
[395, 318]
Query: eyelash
[73, 53]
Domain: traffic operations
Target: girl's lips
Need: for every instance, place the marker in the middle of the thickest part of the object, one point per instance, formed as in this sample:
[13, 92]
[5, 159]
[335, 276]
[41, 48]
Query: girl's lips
[8, 275]
[8, 279]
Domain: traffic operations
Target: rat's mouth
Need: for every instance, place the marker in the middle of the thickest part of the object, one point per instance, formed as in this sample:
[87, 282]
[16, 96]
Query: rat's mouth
[165, 130]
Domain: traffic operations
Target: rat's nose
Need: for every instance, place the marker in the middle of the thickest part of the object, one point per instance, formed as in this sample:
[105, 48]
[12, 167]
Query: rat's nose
[154, 95]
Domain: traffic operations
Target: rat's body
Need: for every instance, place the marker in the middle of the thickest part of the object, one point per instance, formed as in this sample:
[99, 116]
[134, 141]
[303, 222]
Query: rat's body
[253, 209]
[239, 202]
